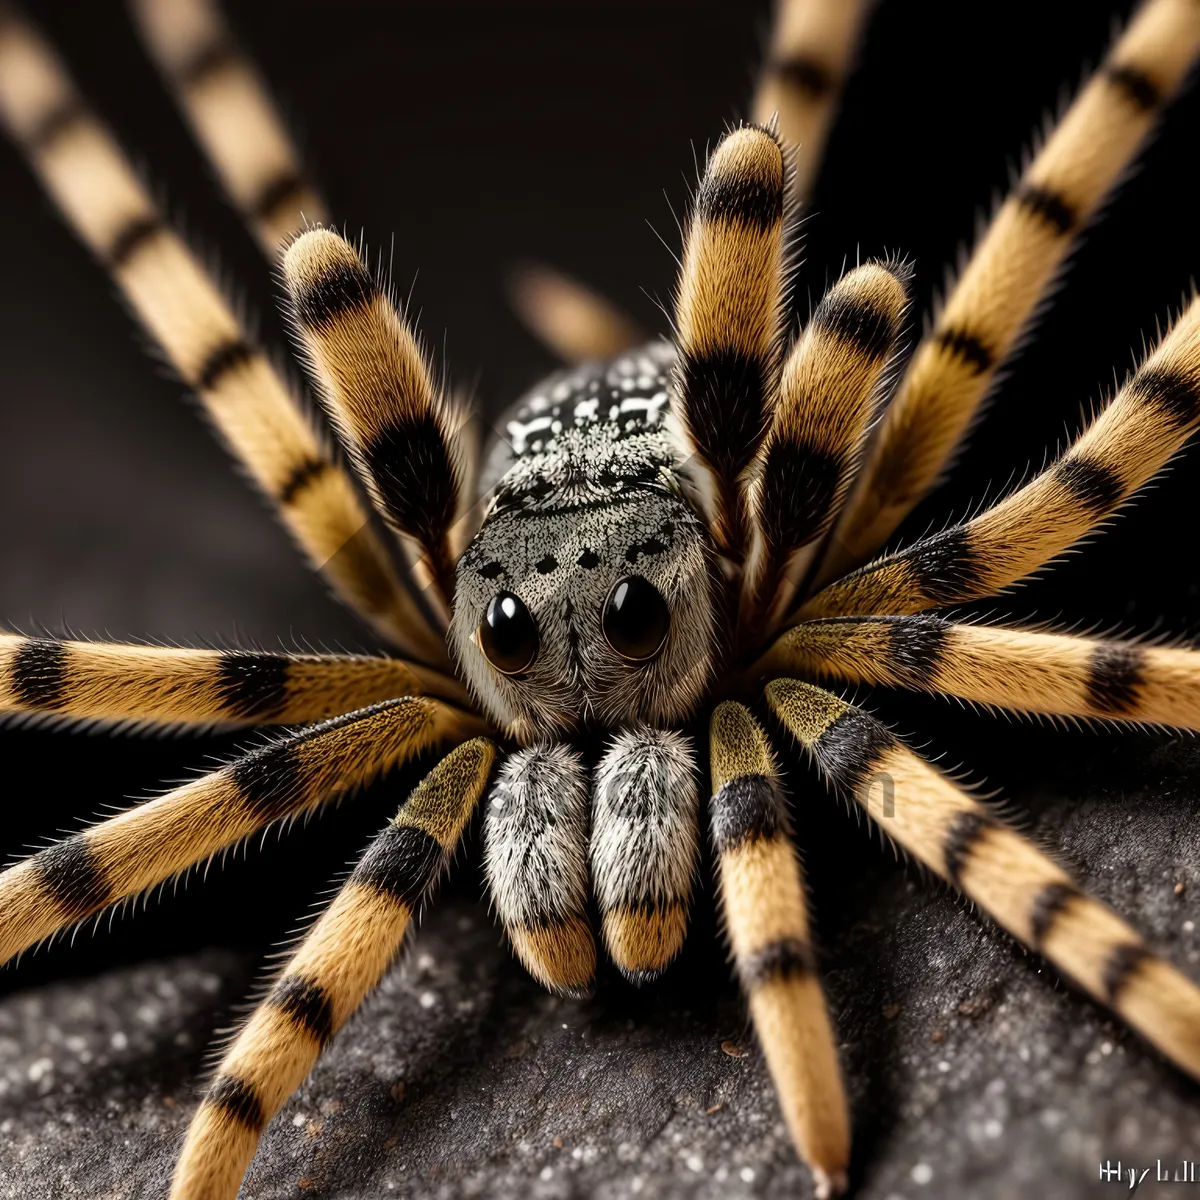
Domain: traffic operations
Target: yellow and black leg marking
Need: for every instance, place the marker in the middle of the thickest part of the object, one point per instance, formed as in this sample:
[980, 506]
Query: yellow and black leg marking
[961, 840]
[766, 916]
[535, 843]
[1126, 445]
[571, 320]
[644, 847]
[1009, 270]
[170, 685]
[828, 395]
[398, 429]
[811, 46]
[233, 117]
[158, 839]
[343, 957]
[1021, 670]
[110, 210]
[728, 321]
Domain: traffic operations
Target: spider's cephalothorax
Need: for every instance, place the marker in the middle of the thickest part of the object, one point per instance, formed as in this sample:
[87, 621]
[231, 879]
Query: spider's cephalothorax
[660, 526]
[588, 593]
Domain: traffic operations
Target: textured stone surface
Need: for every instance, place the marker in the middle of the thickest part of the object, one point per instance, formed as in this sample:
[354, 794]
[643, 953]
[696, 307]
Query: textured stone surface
[971, 1069]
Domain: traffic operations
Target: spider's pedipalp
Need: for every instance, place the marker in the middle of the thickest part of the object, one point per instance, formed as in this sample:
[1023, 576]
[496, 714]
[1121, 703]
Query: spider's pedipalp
[1009, 271]
[535, 841]
[644, 847]
[728, 321]
[176, 299]
[159, 838]
[961, 840]
[766, 917]
[172, 685]
[233, 117]
[827, 398]
[341, 959]
[1125, 446]
[1021, 670]
[397, 428]
[572, 320]
[811, 45]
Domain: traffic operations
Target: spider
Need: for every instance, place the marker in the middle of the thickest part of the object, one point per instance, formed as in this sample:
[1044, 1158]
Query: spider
[665, 537]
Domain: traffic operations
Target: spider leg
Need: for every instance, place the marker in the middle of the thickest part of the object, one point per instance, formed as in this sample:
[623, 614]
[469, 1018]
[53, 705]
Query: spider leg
[397, 428]
[728, 322]
[766, 918]
[1017, 669]
[811, 45]
[827, 397]
[1132, 439]
[1028, 894]
[343, 957]
[108, 207]
[173, 685]
[233, 117]
[535, 837]
[644, 848]
[1009, 271]
[153, 841]
[571, 319]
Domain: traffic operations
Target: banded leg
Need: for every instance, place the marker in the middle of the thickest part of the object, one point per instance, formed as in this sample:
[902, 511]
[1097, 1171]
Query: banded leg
[1016, 669]
[570, 319]
[535, 839]
[110, 210]
[644, 848]
[811, 45]
[766, 917]
[398, 430]
[827, 398]
[1009, 271]
[158, 839]
[1131, 440]
[171, 685]
[1022, 889]
[231, 112]
[343, 957]
[728, 322]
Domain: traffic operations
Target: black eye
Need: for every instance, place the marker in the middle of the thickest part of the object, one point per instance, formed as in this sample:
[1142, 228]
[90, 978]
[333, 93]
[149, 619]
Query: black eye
[508, 635]
[636, 618]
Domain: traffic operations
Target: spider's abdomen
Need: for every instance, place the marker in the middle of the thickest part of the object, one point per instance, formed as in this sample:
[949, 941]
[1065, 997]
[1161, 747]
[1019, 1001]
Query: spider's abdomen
[585, 494]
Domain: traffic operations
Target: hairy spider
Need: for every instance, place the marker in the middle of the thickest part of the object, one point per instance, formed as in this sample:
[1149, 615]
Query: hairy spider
[661, 535]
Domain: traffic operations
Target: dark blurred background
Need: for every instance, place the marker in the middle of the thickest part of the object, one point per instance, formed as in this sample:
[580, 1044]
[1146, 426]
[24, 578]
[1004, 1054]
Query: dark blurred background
[461, 138]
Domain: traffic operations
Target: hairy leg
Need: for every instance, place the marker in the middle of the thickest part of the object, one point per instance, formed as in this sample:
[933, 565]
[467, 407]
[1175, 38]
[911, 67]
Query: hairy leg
[342, 958]
[1022, 889]
[153, 841]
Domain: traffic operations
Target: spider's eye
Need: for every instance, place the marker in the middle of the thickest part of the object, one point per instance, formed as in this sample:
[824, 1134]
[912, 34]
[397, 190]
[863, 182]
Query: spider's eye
[636, 618]
[508, 635]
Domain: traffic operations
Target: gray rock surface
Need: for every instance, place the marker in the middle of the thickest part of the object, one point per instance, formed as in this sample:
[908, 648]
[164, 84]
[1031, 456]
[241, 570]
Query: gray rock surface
[972, 1070]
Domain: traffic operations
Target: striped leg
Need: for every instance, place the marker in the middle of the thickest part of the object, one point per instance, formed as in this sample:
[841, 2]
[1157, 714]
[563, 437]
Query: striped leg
[728, 319]
[644, 848]
[535, 839]
[1131, 440]
[766, 917]
[571, 320]
[1028, 894]
[158, 839]
[1015, 669]
[1009, 272]
[399, 431]
[343, 957]
[811, 45]
[233, 117]
[827, 397]
[109, 208]
[172, 685]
